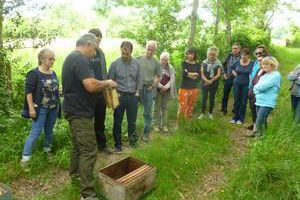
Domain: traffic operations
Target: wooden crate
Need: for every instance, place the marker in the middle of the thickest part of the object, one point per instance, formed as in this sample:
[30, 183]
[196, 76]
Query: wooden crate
[5, 193]
[127, 179]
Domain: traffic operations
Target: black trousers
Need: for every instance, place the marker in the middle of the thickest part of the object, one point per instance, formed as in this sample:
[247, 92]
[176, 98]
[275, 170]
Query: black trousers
[227, 88]
[99, 121]
[210, 90]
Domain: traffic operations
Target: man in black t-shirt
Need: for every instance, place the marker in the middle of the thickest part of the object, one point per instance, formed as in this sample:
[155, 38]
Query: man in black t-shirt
[79, 87]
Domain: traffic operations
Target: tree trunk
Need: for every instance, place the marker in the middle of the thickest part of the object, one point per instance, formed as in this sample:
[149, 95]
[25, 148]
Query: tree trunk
[228, 27]
[193, 23]
[1, 23]
[228, 32]
[217, 21]
[2, 66]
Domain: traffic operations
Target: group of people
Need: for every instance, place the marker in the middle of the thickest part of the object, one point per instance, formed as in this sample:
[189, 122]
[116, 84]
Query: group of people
[85, 76]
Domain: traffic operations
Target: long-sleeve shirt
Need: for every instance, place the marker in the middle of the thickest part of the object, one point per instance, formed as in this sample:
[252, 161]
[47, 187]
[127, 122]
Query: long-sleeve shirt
[188, 83]
[267, 88]
[230, 60]
[127, 75]
[255, 69]
[294, 77]
[242, 72]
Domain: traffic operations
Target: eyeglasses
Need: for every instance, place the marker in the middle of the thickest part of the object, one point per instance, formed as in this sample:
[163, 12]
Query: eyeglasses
[51, 59]
[258, 53]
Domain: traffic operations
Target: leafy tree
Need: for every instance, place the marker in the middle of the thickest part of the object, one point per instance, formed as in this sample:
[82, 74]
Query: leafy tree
[17, 29]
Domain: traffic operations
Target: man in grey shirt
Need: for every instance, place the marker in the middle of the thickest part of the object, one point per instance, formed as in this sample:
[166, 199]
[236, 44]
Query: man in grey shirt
[126, 72]
[151, 73]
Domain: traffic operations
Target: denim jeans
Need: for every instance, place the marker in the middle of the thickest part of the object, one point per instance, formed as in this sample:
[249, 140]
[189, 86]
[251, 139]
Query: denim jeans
[128, 103]
[296, 107]
[46, 120]
[147, 99]
[262, 114]
[240, 101]
[227, 87]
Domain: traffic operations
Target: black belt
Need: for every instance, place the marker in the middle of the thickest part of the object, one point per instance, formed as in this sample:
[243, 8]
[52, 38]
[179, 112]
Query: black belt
[126, 93]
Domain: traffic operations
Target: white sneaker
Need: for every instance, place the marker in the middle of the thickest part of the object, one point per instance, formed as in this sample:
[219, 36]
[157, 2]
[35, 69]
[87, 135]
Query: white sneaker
[232, 121]
[210, 116]
[201, 116]
[25, 163]
[239, 122]
[165, 129]
[156, 129]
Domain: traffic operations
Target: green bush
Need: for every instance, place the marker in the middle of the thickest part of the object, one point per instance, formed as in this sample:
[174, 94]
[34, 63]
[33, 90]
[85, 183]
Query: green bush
[251, 37]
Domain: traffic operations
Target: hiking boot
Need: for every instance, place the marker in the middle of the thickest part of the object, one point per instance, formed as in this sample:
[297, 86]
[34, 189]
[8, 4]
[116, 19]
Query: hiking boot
[106, 150]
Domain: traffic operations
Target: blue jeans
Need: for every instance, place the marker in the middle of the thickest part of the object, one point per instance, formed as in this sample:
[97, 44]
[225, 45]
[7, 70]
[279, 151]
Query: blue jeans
[240, 101]
[296, 107]
[262, 114]
[147, 100]
[128, 103]
[46, 120]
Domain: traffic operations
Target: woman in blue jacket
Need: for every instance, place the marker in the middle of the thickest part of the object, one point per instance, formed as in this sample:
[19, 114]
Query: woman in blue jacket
[41, 103]
[266, 92]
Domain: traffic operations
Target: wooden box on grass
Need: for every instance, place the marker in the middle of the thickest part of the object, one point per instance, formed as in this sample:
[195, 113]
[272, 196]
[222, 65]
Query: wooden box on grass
[5, 193]
[127, 179]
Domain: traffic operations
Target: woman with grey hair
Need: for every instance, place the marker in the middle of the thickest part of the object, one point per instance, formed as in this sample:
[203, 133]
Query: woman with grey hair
[166, 89]
[294, 76]
[210, 75]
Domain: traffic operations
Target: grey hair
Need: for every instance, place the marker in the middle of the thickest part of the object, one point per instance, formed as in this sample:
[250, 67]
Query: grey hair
[165, 55]
[87, 39]
[151, 43]
[271, 60]
[213, 48]
[42, 53]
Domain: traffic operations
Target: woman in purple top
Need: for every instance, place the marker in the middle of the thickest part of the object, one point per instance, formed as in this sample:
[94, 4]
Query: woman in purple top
[241, 71]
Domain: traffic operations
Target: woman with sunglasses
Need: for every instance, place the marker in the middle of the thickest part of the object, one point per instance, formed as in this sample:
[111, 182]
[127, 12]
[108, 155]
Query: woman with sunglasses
[260, 53]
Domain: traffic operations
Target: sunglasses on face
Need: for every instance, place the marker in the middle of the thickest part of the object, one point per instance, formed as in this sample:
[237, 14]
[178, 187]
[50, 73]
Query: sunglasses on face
[258, 53]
